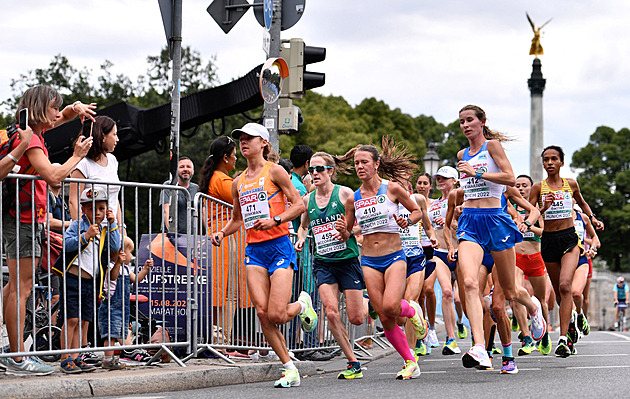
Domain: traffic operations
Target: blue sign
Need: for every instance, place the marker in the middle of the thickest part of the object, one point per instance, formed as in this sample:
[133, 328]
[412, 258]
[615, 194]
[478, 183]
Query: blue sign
[268, 13]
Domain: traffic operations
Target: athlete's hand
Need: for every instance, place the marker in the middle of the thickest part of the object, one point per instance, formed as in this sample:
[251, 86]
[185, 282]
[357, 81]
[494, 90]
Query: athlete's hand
[439, 221]
[548, 201]
[216, 238]
[458, 211]
[264, 224]
[402, 222]
[465, 167]
[341, 225]
[522, 227]
[434, 242]
[599, 225]
[451, 255]
[299, 244]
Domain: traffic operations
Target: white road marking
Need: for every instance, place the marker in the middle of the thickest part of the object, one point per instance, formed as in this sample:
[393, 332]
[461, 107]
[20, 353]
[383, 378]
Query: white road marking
[617, 335]
[598, 367]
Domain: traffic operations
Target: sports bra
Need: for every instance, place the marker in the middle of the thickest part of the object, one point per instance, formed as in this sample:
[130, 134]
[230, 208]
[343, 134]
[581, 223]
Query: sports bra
[376, 214]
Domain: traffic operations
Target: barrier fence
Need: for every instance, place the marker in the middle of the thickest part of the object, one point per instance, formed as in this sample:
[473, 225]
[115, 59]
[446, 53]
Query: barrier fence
[194, 301]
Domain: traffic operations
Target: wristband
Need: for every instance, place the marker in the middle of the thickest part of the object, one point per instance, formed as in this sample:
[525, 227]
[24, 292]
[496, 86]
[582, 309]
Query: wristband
[478, 173]
[11, 157]
[591, 216]
[73, 105]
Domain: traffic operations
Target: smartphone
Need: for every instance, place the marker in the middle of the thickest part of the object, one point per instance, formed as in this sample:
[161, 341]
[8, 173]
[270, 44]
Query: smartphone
[87, 127]
[23, 123]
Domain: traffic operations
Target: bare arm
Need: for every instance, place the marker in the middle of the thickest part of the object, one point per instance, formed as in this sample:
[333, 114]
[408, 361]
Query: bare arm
[54, 174]
[303, 229]
[235, 222]
[577, 195]
[75, 190]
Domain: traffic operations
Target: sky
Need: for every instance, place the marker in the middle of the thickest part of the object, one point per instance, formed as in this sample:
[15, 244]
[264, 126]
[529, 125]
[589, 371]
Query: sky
[423, 57]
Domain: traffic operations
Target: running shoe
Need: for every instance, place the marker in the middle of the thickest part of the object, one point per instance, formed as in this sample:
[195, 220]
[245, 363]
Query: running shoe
[30, 365]
[509, 367]
[290, 378]
[477, 357]
[419, 324]
[545, 344]
[432, 339]
[91, 358]
[421, 349]
[539, 325]
[462, 331]
[352, 372]
[495, 350]
[308, 317]
[514, 324]
[562, 350]
[411, 370]
[527, 348]
[583, 324]
[136, 357]
[451, 348]
[571, 346]
[371, 312]
[113, 364]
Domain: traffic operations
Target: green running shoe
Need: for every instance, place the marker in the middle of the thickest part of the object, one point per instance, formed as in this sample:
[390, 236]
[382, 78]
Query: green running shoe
[545, 345]
[419, 324]
[371, 312]
[495, 350]
[514, 324]
[421, 349]
[527, 348]
[583, 324]
[562, 350]
[352, 372]
[290, 378]
[450, 347]
[411, 370]
[308, 317]
[462, 331]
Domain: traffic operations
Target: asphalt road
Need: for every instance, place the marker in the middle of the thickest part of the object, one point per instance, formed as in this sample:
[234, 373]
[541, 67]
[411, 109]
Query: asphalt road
[600, 369]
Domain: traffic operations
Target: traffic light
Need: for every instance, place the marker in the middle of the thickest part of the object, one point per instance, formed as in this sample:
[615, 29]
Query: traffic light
[298, 56]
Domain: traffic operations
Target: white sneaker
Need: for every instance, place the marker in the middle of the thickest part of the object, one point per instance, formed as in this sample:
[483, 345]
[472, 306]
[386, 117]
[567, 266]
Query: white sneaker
[539, 325]
[477, 357]
[432, 339]
[269, 357]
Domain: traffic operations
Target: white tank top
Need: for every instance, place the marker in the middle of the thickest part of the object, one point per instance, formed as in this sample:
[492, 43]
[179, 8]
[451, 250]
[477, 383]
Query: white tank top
[376, 214]
[479, 188]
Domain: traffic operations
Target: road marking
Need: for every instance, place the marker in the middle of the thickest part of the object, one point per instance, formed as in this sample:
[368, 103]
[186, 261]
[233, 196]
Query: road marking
[625, 341]
[421, 372]
[598, 367]
[618, 335]
[532, 369]
[603, 355]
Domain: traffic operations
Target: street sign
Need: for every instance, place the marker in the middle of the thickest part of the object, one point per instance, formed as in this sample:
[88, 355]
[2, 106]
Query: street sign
[166, 9]
[292, 11]
[266, 41]
[268, 13]
[227, 13]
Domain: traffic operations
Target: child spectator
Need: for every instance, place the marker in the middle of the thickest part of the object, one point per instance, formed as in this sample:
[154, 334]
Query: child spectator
[113, 325]
[85, 257]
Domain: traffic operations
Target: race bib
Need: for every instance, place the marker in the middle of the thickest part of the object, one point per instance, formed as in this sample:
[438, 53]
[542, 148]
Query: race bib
[254, 206]
[562, 206]
[529, 235]
[324, 240]
[437, 209]
[410, 235]
[371, 213]
[476, 188]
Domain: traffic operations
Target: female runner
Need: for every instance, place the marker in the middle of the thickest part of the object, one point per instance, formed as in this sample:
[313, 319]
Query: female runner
[260, 195]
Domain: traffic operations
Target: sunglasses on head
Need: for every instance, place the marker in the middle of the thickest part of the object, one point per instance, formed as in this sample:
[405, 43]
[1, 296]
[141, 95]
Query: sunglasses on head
[318, 168]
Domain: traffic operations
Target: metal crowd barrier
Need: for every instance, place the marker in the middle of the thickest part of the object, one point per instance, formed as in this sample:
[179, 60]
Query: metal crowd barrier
[194, 302]
[163, 307]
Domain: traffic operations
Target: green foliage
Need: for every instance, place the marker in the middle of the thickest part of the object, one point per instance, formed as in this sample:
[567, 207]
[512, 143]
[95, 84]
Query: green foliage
[605, 185]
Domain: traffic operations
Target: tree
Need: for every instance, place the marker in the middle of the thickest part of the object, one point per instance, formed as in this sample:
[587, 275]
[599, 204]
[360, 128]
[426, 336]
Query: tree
[605, 184]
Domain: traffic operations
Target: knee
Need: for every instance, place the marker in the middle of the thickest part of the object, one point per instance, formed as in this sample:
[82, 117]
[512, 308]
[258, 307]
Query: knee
[470, 284]
[498, 311]
[332, 314]
[391, 309]
[356, 319]
[509, 294]
[565, 288]
[577, 295]
[429, 292]
[447, 296]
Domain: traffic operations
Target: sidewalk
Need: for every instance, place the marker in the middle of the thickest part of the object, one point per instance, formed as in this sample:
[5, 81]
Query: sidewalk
[198, 373]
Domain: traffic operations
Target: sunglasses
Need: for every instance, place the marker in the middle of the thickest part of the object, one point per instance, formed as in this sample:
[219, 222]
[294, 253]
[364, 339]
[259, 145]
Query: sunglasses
[318, 168]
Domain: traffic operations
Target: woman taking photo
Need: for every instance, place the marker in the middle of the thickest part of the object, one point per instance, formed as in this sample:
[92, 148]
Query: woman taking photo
[43, 104]
[260, 195]
[375, 208]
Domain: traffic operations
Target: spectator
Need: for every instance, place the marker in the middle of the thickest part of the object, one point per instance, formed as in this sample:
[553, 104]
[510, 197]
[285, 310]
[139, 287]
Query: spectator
[99, 164]
[113, 313]
[300, 158]
[217, 183]
[185, 172]
[43, 103]
[86, 257]
[286, 164]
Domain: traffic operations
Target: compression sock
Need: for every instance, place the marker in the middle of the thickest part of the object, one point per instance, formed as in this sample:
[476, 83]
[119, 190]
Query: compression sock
[507, 350]
[407, 310]
[398, 339]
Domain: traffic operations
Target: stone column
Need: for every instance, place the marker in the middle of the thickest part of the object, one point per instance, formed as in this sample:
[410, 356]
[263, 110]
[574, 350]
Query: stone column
[536, 85]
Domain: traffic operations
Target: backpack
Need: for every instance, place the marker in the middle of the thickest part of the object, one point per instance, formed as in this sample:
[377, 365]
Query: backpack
[9, 186]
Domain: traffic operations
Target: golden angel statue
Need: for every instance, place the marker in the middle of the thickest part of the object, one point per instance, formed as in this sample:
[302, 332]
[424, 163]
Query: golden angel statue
[536, 48]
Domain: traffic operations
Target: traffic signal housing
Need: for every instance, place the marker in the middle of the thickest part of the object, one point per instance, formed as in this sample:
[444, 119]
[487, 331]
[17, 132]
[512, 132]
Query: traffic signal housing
[298, 56]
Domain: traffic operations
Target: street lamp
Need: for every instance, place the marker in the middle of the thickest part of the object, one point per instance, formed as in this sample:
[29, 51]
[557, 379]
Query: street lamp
[431, 160]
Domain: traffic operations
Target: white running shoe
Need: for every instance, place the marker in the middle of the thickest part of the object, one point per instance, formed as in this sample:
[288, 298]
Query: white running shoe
[539, 325]
[477, 357]
[432, 339]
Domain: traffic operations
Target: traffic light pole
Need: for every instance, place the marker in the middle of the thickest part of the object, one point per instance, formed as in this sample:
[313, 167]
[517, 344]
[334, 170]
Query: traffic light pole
[176, 55]
[270, 111]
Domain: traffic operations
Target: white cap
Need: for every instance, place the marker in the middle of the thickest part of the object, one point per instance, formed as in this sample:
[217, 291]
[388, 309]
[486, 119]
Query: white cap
[252, 129]
[620, 279]
[447, 171]
[97, 193]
